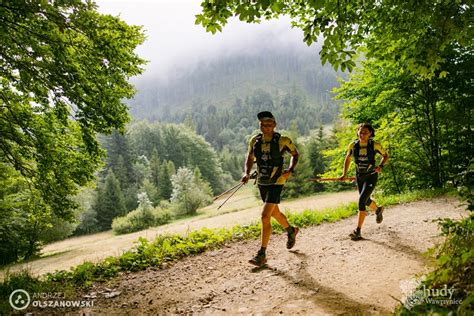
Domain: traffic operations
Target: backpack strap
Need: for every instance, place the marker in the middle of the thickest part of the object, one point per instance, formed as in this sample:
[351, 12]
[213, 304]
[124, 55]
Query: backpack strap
[367, 163]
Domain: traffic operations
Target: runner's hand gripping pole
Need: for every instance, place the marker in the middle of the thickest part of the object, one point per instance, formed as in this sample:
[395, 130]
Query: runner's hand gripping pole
[236, 187]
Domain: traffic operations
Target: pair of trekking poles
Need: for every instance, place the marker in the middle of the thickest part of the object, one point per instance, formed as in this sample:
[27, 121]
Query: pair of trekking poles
[236, 187]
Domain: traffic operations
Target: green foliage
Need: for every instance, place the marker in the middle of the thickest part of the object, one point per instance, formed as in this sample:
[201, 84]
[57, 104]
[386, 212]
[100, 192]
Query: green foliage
[414, 33]
[230, 127]
[130, 170]
[58, 229]
[425, 123]
[179, 145]
[143, 217]
[119, 158]
[310, 218]
[190, 192]
[24, 280]
[344, 133]
[87, 222]
[165, 186]
[466, 186]
[161, 215]
[151, 191]
[24, 217]
[167, 248]
[110, 202]
[64, 72]
[310, 164]
[406, 197]
[86, 214]
[232, 163]
[454, 261]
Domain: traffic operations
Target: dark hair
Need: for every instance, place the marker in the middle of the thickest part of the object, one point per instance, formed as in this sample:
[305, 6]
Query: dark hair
[368, 126]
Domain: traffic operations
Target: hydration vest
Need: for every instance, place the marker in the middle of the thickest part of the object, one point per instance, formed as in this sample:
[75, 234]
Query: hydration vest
[267, 161]
[364, 164]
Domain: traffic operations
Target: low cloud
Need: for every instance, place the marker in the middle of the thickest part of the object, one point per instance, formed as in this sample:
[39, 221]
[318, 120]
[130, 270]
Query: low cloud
[174, 41]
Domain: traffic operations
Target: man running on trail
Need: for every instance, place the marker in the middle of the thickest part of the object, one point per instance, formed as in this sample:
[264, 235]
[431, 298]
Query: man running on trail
[267, 149]
[363, 151]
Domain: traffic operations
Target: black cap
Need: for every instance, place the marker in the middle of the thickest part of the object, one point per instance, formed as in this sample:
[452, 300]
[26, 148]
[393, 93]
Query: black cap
[265, 115]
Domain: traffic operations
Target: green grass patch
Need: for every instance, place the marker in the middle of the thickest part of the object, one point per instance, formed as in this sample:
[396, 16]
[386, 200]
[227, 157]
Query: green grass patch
[172, 247]
[427, 194]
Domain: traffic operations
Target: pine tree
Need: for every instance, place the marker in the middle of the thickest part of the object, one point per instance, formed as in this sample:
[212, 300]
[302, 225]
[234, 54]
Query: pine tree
[120, 158]
[110, 201]
[121, 173]
[165, 187]
[155, 166]
[152, 191]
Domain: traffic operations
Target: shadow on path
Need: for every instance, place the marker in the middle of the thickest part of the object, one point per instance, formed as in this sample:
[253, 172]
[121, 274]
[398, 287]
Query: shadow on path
[327, 298]
[397, 244]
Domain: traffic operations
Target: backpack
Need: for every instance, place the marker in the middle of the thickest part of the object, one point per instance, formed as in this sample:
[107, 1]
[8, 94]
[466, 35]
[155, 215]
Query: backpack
[267, 161]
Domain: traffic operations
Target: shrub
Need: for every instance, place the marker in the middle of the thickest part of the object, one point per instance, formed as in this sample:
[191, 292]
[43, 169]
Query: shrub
[161, 216]
[143, 217]
[87, 223]
[59, 230]
[190, 192]
[453, 270]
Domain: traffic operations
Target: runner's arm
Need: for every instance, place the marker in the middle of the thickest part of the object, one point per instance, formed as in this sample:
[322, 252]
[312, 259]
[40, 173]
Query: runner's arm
[294, 160]
[385, 157]
[248, 167]
[347, 162]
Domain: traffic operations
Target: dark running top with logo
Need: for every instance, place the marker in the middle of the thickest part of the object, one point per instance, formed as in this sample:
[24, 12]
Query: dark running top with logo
[364, 155]
[268, 152]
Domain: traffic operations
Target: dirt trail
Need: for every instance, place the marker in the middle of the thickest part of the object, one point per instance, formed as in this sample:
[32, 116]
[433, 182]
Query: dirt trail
[74, 251]
[325, 274]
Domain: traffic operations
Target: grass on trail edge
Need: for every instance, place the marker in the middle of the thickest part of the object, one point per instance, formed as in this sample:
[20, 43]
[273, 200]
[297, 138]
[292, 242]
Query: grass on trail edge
[171, 247]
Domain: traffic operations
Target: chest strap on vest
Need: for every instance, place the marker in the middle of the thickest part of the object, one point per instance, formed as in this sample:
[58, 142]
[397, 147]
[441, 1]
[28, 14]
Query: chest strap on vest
[364, 163]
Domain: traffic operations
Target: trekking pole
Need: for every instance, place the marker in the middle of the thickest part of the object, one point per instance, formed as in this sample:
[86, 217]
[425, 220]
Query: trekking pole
[318, 179]
[238, 187]
[227, 191]
[252, 176]
[331, 179]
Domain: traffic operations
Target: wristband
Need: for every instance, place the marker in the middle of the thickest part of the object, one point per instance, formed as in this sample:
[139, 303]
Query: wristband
[381, 166]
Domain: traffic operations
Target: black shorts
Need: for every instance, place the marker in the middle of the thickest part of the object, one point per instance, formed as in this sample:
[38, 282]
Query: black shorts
[270, 193]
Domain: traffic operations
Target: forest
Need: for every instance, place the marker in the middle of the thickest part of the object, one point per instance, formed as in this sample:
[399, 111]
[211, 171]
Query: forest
[226, 81]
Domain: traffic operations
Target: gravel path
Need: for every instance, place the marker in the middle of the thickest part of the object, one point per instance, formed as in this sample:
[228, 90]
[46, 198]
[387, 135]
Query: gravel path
[325, 274]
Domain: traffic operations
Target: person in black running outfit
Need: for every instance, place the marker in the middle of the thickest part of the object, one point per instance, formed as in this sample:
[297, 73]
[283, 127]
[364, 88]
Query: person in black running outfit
[363, 152]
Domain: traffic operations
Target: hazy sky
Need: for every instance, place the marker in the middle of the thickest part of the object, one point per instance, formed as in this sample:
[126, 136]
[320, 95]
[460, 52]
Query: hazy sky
[173, 40]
